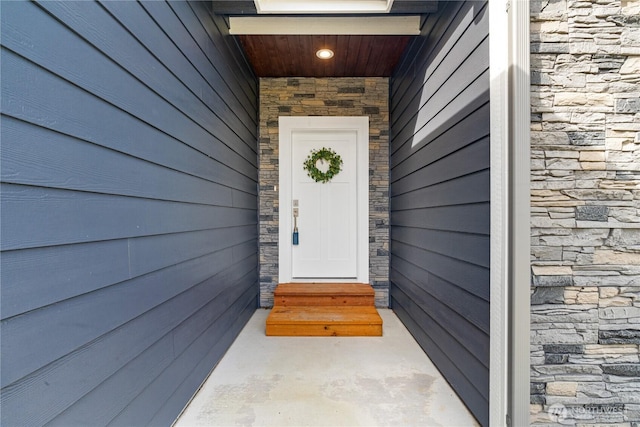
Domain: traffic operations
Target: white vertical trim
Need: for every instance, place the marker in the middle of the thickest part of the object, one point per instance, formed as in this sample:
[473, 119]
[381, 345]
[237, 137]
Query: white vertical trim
[510, 212]
[287, 125]
[520, 247]
[285, 226]
[499, 308]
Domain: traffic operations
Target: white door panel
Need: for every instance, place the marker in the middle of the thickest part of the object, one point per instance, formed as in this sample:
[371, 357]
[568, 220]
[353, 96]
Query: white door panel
[327, 211]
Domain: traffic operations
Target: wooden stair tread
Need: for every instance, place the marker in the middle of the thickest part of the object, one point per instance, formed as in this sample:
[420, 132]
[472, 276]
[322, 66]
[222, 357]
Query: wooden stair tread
[324, 309]
[334, 289]
[309, 314]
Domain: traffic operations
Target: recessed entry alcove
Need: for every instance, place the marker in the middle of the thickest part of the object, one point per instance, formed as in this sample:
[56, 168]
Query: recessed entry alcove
[142, 218]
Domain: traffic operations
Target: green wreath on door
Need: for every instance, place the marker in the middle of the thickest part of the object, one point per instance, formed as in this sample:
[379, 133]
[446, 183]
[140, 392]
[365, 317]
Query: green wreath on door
[323, 155]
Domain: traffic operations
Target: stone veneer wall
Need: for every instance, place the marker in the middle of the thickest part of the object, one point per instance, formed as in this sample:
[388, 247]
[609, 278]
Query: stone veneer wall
[325, 97]
[585, 242]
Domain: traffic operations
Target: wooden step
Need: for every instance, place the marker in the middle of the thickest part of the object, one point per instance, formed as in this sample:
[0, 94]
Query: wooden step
[324, 294]
[339, 321]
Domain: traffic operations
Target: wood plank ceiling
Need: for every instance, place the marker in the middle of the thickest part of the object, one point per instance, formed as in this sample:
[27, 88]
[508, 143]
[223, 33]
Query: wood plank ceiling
[294, 55]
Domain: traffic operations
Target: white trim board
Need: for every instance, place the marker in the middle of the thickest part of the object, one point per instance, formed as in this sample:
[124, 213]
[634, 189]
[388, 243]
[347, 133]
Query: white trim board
[510, 214]
[499, 104]
[520, 213]
[322, 25]
[287, 125]
[323, 6]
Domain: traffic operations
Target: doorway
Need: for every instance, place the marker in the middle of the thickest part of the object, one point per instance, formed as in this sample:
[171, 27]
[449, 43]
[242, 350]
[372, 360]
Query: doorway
[332, 217]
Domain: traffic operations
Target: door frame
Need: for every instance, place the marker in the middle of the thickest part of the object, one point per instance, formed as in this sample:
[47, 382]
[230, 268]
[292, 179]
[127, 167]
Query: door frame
[287, 126]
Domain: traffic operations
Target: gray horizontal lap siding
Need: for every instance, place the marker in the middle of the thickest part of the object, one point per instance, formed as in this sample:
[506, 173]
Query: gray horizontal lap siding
[129, 208]
[440, 196]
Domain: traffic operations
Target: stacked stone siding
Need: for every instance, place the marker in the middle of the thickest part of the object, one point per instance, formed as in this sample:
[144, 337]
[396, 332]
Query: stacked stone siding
[325, 97]
[585, 202]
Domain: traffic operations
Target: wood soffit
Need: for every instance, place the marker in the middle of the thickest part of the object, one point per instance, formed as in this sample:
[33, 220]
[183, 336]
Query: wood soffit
[294, 55]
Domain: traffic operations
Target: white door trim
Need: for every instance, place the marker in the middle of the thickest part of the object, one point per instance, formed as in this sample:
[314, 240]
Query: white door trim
[287, 125]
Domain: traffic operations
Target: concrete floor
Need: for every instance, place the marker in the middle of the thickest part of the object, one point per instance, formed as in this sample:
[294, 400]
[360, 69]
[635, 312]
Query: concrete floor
[325, 381]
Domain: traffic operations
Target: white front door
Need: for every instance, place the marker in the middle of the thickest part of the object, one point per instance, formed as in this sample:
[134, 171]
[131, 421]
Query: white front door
[326, 211]
[332, 217]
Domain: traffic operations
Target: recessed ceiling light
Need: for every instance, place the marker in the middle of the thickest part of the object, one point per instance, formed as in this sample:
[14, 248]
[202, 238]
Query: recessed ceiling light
[324, 53]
